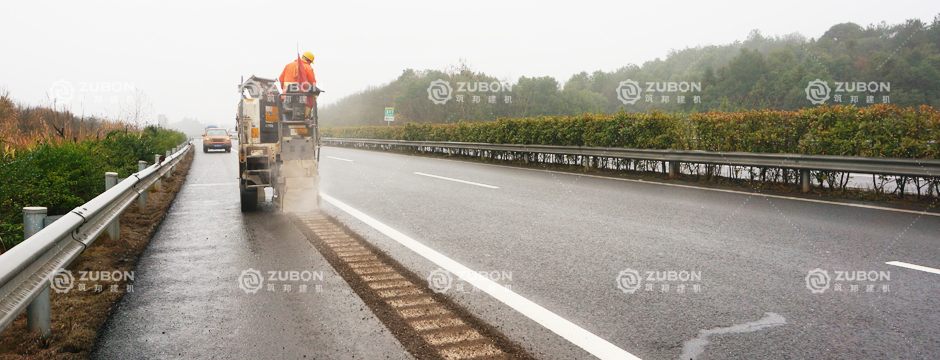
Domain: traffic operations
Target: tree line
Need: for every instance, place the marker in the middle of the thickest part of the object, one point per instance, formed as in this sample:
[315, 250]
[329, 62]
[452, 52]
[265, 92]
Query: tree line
[848, 65]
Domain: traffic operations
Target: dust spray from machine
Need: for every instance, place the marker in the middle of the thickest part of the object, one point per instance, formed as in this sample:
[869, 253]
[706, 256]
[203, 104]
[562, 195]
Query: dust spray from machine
[302, 184]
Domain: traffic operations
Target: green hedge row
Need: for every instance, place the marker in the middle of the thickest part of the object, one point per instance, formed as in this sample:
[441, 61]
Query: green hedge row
[877, 131]
[62, 176]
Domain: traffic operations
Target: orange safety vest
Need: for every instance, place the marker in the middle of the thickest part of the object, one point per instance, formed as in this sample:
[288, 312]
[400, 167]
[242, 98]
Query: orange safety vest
[290, 74]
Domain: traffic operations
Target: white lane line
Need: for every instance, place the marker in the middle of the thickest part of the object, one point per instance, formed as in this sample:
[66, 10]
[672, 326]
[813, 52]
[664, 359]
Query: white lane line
[340, 159]
[458, 180]
[215, 184]
[915, 267]
[564, 328]
[820, 201]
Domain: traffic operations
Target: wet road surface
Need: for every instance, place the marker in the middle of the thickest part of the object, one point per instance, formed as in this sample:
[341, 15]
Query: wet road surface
[190, 297]
[734, 275]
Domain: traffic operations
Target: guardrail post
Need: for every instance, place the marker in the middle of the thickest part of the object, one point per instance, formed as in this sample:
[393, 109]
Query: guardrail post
[142, 197]
[176, 150]
[114, 228]
[169, 171]
[33, 217]
[37, 312]
[804, 179]
[673, 169]
[159, 184]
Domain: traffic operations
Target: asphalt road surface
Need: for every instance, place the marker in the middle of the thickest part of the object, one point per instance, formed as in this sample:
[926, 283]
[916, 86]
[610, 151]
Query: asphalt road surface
[657, 270]
[188, 301]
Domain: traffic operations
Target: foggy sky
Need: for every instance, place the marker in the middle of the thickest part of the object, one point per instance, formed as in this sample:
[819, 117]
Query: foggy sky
[188, 56]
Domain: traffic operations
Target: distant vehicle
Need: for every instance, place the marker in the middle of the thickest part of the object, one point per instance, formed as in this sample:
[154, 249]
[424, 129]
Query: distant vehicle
[216, 138]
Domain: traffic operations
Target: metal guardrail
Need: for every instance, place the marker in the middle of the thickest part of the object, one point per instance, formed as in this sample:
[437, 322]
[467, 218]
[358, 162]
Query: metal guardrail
[26, 270]
[852, 164]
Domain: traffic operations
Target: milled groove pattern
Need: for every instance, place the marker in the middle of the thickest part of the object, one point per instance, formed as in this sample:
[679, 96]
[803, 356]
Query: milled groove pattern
[439, 327]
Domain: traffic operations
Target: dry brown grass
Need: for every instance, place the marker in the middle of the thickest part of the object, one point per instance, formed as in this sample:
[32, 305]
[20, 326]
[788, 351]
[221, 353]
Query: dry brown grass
[77, 316]
[22, 126]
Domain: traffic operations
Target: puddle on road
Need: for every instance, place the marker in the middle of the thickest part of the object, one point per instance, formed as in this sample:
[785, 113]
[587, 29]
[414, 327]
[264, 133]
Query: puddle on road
[693, 348]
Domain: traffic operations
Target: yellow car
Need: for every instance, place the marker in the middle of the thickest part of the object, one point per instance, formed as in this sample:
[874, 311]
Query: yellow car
[216, 139]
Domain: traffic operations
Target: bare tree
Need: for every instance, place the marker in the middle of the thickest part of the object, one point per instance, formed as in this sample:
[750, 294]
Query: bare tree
[136, 110]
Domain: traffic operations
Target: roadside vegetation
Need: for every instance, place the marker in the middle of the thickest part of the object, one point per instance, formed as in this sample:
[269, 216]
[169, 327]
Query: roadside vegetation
[874, 131]
[52, 158]
[78, 315]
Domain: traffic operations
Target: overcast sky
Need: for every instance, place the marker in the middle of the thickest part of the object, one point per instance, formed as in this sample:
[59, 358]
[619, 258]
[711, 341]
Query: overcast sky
[188, 56]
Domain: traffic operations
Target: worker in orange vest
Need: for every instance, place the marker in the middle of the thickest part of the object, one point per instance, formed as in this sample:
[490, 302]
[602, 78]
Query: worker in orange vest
[300, 72]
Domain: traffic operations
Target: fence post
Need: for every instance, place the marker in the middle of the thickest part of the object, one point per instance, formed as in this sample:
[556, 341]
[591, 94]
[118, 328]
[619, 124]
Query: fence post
[142, 197]
[37, 312]
[159, 184]
[804, 178]
[114, 228]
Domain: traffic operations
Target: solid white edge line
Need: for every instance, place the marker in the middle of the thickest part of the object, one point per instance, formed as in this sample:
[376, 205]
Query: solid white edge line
[575, 334]
[915, 267]
[340, 159]
[457, 180]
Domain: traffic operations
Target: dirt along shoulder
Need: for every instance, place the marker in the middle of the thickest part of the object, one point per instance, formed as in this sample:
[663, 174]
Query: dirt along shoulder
[103, 274]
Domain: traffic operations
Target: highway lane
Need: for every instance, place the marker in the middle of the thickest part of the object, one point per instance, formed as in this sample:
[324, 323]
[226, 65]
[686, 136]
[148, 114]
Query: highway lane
[188, 301]
[563, 240]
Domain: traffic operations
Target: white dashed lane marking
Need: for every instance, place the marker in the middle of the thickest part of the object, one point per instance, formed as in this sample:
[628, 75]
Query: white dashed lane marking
[340, 159]
[458, 180]
[915, 267]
